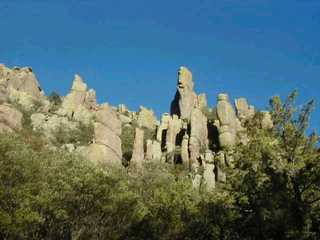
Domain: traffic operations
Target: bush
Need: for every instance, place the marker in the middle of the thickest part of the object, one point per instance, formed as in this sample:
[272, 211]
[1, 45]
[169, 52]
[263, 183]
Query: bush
[81, 135]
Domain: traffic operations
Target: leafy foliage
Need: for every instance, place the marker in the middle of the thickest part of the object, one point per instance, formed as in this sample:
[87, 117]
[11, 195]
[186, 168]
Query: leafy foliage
[272, 190]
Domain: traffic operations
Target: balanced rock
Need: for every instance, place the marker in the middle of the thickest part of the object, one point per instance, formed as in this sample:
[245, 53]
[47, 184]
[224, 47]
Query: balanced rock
[185, 99]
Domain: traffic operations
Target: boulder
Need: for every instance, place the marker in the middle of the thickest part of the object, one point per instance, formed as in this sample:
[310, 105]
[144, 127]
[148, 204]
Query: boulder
[10, 118]
[108, 117]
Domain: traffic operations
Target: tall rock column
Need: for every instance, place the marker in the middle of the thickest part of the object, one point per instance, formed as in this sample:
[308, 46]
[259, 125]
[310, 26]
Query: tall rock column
[228, 124]
[174, 127]
[185, 99]
[138, 150]
[199, 135]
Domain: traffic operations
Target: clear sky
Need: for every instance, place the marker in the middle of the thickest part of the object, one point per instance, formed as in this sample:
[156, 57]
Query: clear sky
[129, 51]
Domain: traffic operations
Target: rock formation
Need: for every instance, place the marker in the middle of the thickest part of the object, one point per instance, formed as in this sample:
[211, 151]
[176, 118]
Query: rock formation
[78, 103]
[185, 99]
[200, 138]
[10, 118]
[244, 110]
[138, 149]
[146, 118]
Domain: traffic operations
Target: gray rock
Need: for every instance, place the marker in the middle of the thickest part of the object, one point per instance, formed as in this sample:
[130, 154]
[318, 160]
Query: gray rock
[185, 99]
[244, 110]
[209, 177]
[138, 150]
[228, 122]
[146, 118]
[198, 143]
[10, 118]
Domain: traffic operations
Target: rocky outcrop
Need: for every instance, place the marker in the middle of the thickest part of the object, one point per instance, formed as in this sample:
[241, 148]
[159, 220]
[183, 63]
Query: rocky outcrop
[10, 118]
[78, 103]
[20, 85]
[199, 137]
[185, 99]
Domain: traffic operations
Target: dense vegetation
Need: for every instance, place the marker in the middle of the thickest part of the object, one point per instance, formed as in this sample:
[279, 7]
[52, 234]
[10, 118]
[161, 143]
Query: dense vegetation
[272, 192]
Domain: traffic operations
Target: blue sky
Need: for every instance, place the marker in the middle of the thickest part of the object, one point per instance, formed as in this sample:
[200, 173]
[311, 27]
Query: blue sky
[129, 51]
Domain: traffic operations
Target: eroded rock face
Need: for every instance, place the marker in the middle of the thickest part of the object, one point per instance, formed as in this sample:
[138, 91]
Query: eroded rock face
[146, 118]
[20, 85]
[138, 149]
[10, 118]
[22, 79]
[185, 99]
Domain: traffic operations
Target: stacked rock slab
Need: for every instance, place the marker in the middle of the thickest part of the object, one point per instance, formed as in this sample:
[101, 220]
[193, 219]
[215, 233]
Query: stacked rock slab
[185, 99]
[106, 148]
[137, 158]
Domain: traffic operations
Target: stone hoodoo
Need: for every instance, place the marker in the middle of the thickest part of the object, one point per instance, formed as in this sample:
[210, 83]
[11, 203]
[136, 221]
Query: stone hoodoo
[138, 149]
[228, 124]
[185, 99]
